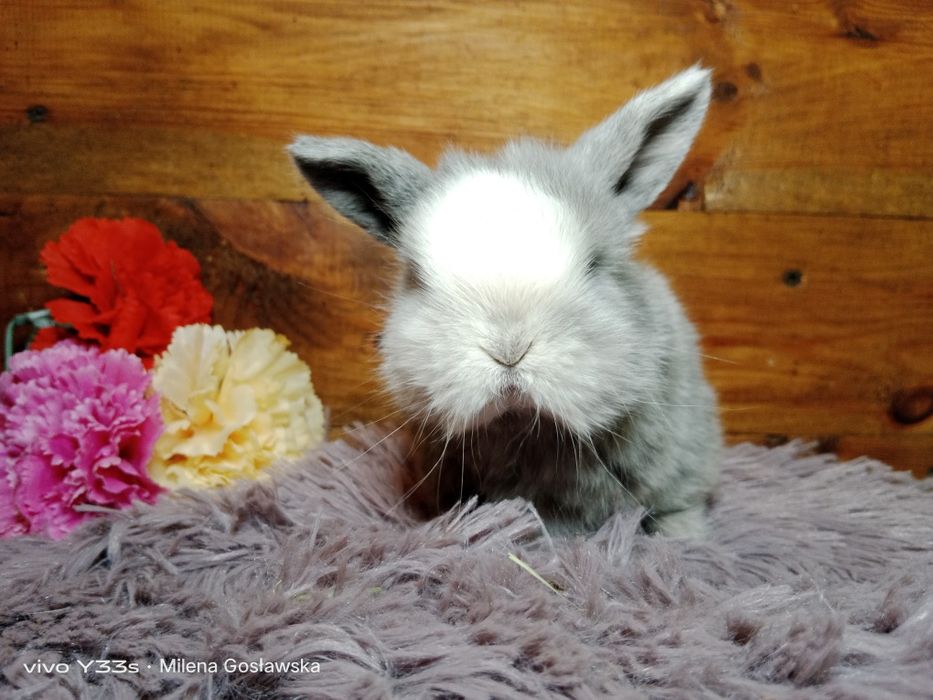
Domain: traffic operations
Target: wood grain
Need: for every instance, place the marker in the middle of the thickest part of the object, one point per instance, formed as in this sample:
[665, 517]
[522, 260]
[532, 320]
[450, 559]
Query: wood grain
[829, 342]
[819, 107]
[817, 322]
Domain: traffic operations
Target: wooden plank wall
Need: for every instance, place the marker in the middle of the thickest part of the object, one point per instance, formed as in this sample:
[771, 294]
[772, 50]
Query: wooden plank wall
[798, 233]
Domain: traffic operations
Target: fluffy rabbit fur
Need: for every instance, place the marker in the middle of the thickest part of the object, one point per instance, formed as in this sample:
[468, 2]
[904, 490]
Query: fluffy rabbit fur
[537, 357]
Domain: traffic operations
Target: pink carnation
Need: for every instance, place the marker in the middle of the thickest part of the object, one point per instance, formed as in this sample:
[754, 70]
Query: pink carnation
[77, 427]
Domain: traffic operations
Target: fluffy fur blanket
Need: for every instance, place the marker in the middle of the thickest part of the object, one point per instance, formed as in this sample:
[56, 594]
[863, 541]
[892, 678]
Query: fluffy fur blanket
[817, 583]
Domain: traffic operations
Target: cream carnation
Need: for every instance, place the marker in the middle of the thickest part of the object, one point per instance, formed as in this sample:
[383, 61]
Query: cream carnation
[232, 403]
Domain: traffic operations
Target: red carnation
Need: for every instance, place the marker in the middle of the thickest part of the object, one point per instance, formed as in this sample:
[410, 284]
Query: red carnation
[134, 289]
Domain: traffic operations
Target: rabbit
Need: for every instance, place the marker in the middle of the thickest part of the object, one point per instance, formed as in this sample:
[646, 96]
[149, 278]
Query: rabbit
[536, 356]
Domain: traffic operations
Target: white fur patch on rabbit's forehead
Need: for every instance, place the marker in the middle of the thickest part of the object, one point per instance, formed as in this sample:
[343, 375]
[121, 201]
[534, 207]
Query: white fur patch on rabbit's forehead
[488, 227]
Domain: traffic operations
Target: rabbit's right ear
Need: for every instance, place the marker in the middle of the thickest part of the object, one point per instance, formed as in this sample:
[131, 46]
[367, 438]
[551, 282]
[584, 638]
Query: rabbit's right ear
[374, 187]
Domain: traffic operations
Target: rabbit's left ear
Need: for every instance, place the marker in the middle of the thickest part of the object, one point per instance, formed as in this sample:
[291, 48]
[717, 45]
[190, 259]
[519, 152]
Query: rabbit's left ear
[637, 150]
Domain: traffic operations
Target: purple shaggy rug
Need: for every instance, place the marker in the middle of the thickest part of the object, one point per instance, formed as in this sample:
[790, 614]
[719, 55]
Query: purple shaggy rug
[817, 583]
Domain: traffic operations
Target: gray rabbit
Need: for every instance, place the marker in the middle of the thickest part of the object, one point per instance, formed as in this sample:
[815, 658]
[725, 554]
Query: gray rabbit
[533, 354]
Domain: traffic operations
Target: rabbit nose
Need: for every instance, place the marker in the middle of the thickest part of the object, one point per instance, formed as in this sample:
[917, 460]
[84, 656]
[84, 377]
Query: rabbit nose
[508, 356]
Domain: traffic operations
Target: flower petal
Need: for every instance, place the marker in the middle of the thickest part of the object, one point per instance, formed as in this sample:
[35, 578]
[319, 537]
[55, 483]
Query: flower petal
[134, 288]
[233, 402]
[77, 427]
